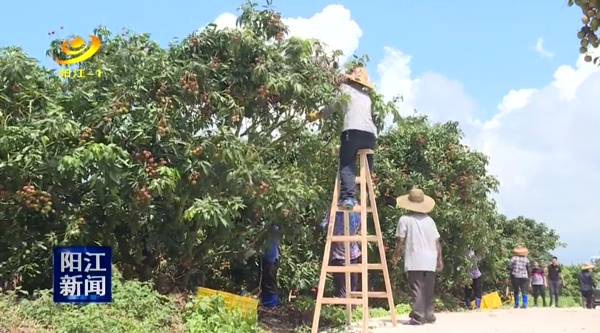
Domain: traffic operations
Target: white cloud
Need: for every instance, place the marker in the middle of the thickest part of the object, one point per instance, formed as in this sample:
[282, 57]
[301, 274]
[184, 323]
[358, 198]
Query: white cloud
[542, 143]
[333, 26]
[514, 100]
[225, 20]
[539, 48]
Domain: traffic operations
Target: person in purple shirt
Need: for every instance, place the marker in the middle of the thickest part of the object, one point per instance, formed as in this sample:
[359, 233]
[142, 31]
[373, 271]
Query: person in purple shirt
[474, 290]
[538, 283]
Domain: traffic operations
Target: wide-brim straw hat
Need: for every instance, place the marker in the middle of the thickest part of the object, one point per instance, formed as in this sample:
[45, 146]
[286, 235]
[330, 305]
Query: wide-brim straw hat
[361, 76]
[416, 201]
[520, 251]
[587, 267]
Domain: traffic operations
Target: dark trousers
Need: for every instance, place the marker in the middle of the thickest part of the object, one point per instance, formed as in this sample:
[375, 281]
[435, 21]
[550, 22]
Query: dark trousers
[473, 292]
[351, 142]
[339, 279]
[588, 296]
[554, 291]
[539, 290]
[268, 284]
[519, 287]
[421, 285]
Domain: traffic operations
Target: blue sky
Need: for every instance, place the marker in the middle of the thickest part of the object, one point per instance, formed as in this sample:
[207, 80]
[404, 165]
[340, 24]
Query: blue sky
[532, 112]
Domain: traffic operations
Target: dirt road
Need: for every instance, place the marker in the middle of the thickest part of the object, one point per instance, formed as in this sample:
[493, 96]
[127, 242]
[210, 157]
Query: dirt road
[548, 320]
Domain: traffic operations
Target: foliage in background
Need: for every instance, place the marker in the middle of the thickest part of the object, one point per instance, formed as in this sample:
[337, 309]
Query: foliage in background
[588, 34]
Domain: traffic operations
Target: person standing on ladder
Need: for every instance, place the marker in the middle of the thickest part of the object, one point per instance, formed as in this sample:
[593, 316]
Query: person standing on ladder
[359, 131]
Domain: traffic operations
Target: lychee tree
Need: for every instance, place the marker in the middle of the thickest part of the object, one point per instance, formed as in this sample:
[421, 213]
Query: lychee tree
[588, 34]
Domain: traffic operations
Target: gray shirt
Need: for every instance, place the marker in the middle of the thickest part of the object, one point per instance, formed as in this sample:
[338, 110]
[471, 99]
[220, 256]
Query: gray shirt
[420, 240]
[357, 113]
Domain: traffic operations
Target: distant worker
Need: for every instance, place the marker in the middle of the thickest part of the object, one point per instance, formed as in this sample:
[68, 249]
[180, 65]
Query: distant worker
[587, 285]
[269, 266]
[473, 292]
[519, 275]
[419, 240]
[338, 252]
[538, 283]
[555, 280]
[359, 131]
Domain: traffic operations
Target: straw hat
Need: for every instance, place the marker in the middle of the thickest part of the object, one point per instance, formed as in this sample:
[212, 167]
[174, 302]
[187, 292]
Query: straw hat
[360, 76]
[416, 201]
[587, 267]
[520, 251]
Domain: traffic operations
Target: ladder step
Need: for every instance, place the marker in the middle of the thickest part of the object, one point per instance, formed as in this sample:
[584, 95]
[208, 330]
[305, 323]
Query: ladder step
[365, 151]
[372, 294]
[356, 238]
[355, 209]
[355, 268]
[341, 300]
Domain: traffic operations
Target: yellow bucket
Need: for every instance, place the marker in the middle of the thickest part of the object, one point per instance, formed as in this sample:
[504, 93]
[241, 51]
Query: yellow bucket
[246, 305]
[491, 301]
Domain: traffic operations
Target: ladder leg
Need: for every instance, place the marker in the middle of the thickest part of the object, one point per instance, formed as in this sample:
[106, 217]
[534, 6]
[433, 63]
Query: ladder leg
[347, 281]
[364, 248]
[326, 254]
[386, 276]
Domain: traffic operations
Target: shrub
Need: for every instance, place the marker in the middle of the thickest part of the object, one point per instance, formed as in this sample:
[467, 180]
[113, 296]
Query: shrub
[209, 314]
[136, 308]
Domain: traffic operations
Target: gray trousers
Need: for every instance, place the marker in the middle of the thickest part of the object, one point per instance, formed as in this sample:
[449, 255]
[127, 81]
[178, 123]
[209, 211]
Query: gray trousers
[421, 285]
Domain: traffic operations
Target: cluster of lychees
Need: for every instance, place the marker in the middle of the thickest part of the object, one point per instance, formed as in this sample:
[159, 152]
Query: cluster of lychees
[591, 23]
[163, 127]
[162, 96]
[150, 163]
[194, 177]
[121, 107]
[39, 201]
[85, 135]
[277, 27]
[263, 188]
[143, 196]
[189, 83]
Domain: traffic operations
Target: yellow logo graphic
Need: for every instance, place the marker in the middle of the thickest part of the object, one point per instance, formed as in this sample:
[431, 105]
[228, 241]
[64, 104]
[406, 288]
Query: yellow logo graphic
[76, 50]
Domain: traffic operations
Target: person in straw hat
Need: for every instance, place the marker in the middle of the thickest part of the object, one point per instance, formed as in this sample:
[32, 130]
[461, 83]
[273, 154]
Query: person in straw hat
[519, 275]
[419, 240]
[359, 131]
[587, 285]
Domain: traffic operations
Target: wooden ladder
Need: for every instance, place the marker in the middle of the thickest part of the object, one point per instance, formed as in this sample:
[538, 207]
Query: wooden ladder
[367, 195]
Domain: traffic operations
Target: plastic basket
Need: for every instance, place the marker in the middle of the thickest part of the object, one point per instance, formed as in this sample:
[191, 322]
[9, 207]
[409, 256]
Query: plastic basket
[246, 305]
[491, 301]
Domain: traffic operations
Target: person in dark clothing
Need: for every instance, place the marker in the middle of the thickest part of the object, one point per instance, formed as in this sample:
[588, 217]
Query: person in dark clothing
[555, 280]
[338, 252]
[538, 283]
[587, 285]
[269, 267]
